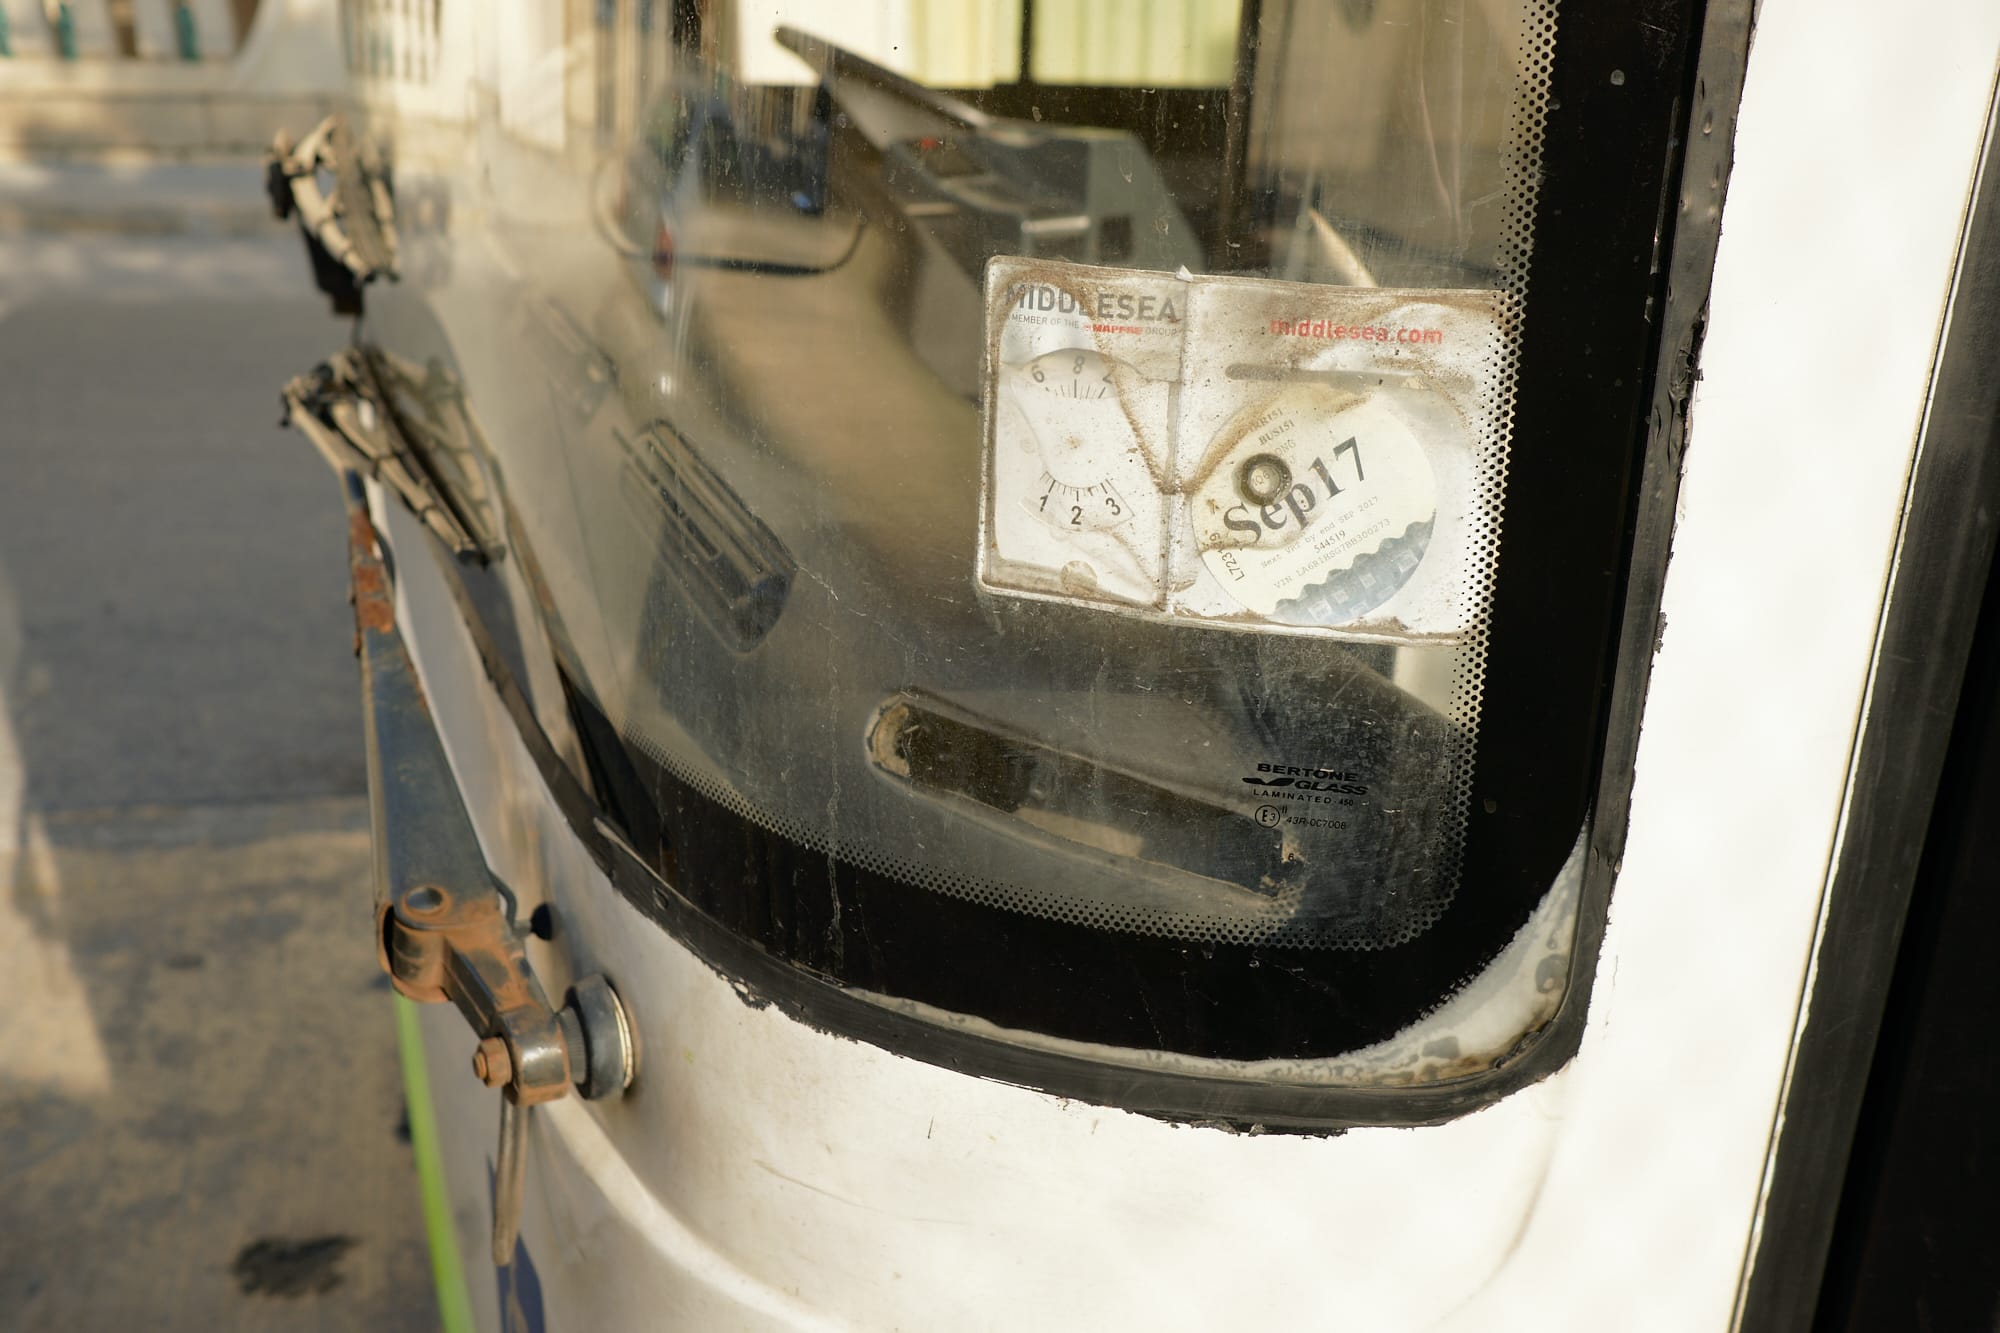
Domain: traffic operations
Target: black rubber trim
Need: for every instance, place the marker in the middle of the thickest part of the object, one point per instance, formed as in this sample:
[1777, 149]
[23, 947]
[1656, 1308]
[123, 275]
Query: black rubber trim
[816, 1001]
[1619, 91]
[1549, 705]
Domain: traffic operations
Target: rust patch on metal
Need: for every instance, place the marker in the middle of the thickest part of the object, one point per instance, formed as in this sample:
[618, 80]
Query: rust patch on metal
[438, 946]
[374, 608]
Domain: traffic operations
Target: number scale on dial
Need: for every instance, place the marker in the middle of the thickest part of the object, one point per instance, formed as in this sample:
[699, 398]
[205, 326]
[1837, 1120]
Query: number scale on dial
[1079, 388]
[1095, 506]
[1073, 375]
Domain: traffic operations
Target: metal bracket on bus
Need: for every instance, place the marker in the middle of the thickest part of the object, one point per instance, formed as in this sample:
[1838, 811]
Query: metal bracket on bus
[338, 185]
[445, 927]
[407, 427]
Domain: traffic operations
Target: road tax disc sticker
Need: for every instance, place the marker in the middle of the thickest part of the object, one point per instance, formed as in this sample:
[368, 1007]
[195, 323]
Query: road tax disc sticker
[1316, 506]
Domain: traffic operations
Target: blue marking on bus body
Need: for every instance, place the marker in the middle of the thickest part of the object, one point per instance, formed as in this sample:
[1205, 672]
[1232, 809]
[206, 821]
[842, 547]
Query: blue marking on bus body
[520, 1294]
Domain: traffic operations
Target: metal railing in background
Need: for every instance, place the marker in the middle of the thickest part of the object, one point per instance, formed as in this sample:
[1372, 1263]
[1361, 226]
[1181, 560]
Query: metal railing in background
[123, 30]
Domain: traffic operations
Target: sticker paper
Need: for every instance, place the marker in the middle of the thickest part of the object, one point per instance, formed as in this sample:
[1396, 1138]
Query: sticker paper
[1249, 452]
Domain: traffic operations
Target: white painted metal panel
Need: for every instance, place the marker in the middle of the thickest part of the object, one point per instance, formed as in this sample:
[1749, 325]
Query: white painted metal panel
[763, 1174]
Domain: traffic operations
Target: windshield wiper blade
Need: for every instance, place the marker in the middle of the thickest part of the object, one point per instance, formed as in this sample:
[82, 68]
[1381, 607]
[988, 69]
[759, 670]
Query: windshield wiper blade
[370, 411]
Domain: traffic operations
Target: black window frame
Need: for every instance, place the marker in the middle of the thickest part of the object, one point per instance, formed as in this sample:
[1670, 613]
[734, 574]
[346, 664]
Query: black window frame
[1608, 351]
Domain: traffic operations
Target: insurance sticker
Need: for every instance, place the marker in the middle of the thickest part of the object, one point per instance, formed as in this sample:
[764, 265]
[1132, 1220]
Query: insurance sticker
[1258, 453]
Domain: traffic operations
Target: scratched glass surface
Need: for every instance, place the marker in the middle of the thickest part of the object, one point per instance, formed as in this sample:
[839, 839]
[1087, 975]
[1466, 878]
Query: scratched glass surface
[1053, 455]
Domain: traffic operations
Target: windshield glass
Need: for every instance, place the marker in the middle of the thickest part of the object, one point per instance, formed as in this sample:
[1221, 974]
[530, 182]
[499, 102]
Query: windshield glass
[1044, 457]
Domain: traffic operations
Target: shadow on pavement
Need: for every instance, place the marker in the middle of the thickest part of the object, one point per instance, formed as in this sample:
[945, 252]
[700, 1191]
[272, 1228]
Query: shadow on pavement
[200, 1109]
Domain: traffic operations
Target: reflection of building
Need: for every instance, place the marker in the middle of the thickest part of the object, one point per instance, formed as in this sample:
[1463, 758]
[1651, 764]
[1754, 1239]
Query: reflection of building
[602, 60]
[180, 77]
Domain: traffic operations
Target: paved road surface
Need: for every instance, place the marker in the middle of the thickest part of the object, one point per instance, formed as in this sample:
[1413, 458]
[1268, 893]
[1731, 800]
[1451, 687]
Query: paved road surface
[199, 1105]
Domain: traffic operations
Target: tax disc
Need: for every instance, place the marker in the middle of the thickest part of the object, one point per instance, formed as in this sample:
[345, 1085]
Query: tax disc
[1316, 505]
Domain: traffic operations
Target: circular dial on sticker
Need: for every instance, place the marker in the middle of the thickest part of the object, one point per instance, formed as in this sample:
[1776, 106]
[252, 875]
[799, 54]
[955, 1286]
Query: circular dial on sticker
[1318, 508]
[1069, 458]
[1094, 472]
[1081, 374]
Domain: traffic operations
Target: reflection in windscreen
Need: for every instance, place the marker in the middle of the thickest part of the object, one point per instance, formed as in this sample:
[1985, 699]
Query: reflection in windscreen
[1138, 579]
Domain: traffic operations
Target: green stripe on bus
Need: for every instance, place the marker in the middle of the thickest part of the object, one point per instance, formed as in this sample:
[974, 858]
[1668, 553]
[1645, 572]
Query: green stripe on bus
[454, 1301]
